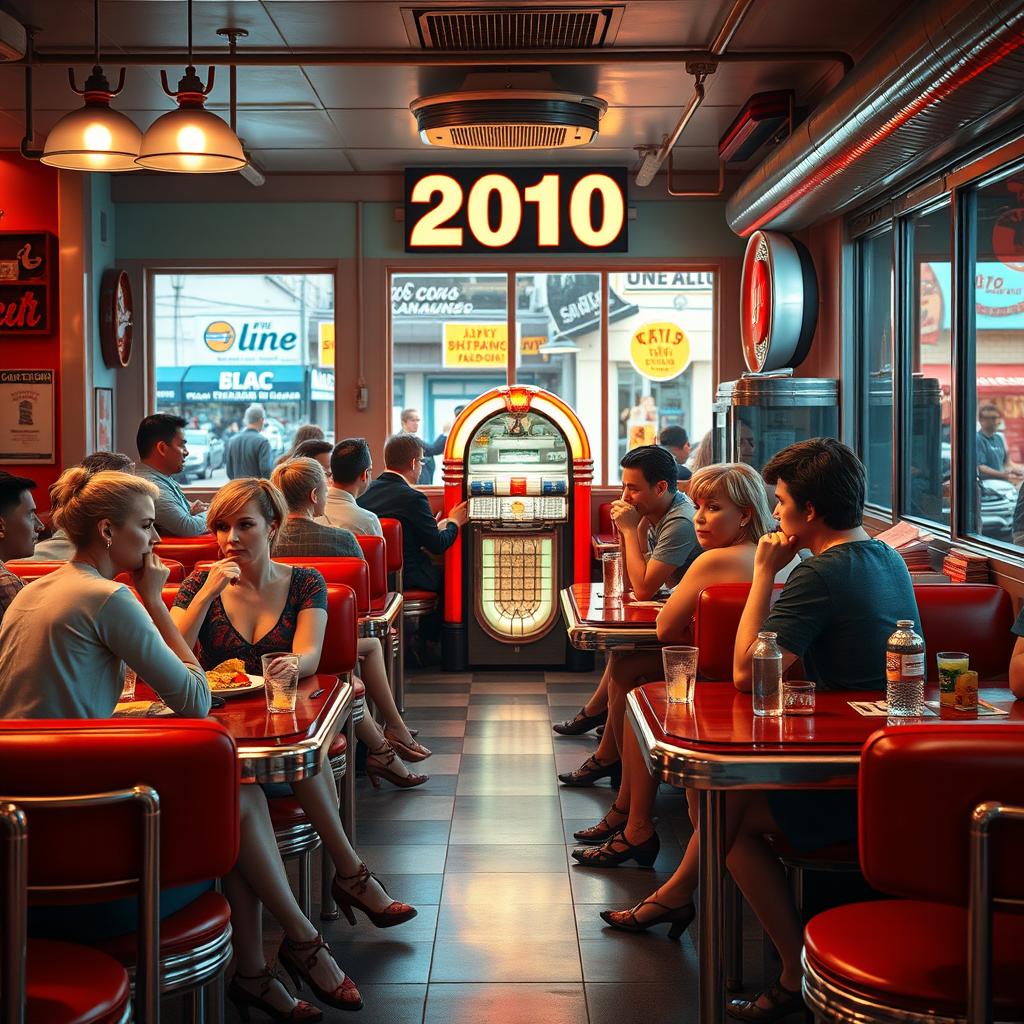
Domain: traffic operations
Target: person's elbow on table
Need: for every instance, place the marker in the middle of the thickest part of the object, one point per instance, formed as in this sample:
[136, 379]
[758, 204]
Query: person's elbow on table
[742, 674]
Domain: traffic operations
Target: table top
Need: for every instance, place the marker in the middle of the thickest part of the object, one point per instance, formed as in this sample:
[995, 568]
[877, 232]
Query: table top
[596, 625]
[718, 743]
[285, 748]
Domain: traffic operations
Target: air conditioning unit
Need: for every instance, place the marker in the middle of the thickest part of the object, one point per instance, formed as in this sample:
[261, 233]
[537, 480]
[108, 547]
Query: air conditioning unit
[12, 38]
[760, 119]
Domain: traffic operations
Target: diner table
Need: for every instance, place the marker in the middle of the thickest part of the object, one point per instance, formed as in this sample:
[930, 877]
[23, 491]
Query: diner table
[596, 624]
[716, 744]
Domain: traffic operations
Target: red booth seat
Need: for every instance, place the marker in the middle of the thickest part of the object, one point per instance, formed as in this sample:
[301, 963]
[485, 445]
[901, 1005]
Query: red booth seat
[918, 790]
[392, 530]
[604, 518]
[66, 983]
[189, 550]
[376, 561]
[955, 617]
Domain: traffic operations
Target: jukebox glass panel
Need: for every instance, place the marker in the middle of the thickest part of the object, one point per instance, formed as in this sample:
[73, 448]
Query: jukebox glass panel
[660, 349]
[993, 428]
[222, 342]
[516, 585]
[926, 474]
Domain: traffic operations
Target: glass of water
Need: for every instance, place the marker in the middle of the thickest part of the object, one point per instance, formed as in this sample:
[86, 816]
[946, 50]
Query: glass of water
[797, 697]
[611, 575]
[680, 664]
[281, 681]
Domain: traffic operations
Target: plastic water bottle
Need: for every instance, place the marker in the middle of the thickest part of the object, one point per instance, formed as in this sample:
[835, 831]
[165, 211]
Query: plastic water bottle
[904, 672]
[767, 676]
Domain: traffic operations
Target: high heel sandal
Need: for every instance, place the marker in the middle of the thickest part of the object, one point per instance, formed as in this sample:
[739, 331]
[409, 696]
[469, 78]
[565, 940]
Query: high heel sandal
[394, 913]
[345, 997]
[591, 771]
[607, 856]
[680, 918]
[602, 830]
[376, 772]
[781, 1003]
[408, 752]
[244, 1000]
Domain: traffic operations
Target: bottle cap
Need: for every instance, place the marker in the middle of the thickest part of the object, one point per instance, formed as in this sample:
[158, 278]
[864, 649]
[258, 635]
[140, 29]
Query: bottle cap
[767, 636]
[904, 623]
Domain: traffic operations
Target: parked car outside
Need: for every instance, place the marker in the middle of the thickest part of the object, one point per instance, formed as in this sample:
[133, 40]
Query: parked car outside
[205, 454]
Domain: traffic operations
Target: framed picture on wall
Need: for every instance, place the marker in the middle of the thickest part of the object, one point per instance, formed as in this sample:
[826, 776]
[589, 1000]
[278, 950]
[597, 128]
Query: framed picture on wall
[104, 422]
[26, 417]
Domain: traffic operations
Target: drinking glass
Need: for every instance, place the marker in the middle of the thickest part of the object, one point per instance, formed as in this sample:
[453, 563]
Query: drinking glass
[128, 691]
[797, 697]
[950, 664]
[281, 681]
[611, 575]
[680, 665]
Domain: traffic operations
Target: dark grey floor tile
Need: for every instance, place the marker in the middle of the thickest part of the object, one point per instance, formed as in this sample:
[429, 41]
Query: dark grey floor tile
[435, 729]
[391, 962]
[505, 674]
[509, 1004]
[511, 809]
[619, 956]
[586, 801]
[488, 729]
[580, 746]
[511, 923]
[509, 713]
[399, 857]
[417, 889]
[564, 698]
[418, 676]
[380, 832]
[508, 888]
[414, 716]
[415, 701]
[420, 929]
[495, 959]
[385, 1004]
[419, 687]
[491, 784]
[511, 744]
[672, 1001]
[537, 699]
[614, 888]
[572, 680]
[442, 744]
[494, 857]
[523, 764]
[403, 805]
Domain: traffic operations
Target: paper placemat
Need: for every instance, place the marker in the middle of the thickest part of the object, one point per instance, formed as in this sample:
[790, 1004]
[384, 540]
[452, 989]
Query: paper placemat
[932, 708]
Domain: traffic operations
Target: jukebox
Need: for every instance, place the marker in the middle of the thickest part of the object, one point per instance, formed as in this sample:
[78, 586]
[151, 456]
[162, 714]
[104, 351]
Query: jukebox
[520, 457]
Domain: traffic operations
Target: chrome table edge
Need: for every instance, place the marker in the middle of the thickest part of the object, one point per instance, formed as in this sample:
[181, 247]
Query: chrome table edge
[380, 623]
[603, 638]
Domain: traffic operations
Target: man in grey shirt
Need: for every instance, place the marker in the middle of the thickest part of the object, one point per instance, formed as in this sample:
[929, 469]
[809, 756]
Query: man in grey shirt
[249, 451]
[161, 443]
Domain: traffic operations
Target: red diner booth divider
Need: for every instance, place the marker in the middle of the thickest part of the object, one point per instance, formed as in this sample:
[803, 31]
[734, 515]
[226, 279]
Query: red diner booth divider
[919, 786]
[189, 550]
[392, 531]
[29, 571]
[376, 560]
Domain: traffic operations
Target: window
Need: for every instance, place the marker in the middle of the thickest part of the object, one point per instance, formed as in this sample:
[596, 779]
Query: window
[225, 341]
[449, 336]
[994, 338]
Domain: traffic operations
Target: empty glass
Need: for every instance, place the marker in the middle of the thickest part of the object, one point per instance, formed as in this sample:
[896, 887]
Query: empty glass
[281, 681]
[797, 697]
[680, 664]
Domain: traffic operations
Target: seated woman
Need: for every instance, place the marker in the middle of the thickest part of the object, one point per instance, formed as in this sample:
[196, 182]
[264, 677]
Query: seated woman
[63, 647]
[304, 486]
[732, 514]
[247, 605]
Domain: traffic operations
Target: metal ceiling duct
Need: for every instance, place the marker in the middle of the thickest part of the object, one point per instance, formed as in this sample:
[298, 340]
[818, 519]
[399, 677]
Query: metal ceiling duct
[944, 72]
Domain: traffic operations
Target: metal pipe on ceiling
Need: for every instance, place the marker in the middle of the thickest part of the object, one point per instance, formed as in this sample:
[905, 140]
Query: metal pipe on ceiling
[941, 76]
[444, 58]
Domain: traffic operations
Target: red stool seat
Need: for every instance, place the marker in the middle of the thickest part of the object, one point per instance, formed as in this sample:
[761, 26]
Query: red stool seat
[419, 595]
[286, 812]
[70, 984]
[338, 745]
[203, 920]
[912, 954]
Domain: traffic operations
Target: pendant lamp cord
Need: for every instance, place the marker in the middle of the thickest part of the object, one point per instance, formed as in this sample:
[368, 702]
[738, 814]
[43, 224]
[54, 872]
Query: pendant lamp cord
[96, 30]
[190, 32]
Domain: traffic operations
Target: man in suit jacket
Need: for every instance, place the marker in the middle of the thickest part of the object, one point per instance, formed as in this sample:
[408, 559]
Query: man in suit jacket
[393, 494]
[249, 451]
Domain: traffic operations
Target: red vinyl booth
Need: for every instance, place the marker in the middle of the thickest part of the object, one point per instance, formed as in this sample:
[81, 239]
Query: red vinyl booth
[29, 571]
[191, 764]
[955, 617]
[376, 560]
[392, 530]
[885, 960]
[189, 550]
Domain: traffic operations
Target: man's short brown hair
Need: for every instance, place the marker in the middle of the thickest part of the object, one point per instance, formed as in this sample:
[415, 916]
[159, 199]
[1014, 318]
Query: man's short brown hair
[825, 473]
[401, 449]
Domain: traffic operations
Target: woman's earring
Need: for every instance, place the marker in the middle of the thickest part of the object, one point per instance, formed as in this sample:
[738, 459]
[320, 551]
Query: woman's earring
[109, 542]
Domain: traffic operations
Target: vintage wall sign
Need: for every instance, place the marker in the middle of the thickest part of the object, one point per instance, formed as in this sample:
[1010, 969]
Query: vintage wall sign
[527, 209]
[475, 346]
[660, 351]
[26, 417]
[27, 279]
[778, 302]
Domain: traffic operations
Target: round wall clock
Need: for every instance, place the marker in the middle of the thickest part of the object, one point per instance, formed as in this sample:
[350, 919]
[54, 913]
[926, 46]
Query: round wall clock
[116, 315]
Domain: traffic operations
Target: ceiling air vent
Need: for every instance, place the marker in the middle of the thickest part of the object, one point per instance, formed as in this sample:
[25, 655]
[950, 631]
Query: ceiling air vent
[576, 27]
[508, 119]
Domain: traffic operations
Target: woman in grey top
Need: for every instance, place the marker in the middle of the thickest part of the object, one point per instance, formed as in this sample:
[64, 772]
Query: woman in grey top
[304, 486]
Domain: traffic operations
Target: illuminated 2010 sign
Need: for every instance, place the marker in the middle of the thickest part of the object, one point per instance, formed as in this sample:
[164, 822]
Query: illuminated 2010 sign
[490, 209]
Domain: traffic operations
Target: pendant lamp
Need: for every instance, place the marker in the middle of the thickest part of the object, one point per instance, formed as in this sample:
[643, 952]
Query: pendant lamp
[94, 137]
[190, 140]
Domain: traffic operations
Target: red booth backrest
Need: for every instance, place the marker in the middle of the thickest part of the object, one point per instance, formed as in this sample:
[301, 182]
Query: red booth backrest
[376, 561]
[29, 571]
[604, 517]
[392, 530]
[189, 550]
[176, 576]
[353, 572]
[191, 763]
[918, 787]
[955, 617]
[341, 642]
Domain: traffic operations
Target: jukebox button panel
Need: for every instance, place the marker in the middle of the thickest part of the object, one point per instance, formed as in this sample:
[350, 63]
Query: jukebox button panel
[518, 509]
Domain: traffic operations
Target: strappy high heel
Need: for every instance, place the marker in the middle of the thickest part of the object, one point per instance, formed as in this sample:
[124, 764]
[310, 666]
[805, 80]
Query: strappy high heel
[680, 918]
[781, 1003]
[376, 772]
[394, 913]
[618, 850]
[407, 751]
[299, 959]
[244, 1000]
[602, 830]
[591, 771]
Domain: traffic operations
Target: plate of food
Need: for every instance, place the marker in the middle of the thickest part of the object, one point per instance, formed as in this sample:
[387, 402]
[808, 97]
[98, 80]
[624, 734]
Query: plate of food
[229, 679]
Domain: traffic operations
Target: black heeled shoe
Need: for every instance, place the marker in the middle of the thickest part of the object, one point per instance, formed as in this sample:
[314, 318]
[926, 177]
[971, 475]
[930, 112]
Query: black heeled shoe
[618, 850]
[299, 959]
[592, 771]
[781, 1003]
[244, 1000]
[602, 830]
[680, 918]
[581, 723]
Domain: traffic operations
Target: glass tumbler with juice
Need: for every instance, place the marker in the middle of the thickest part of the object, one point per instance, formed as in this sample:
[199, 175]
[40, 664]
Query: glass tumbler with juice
[680, 664]
[281, 681]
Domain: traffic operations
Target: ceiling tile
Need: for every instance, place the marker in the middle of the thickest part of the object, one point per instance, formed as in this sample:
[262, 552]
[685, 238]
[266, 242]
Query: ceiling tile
[312, 161]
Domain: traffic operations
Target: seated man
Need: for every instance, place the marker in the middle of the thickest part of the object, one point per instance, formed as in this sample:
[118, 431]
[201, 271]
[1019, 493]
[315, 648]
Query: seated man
[394, 494]
[836, 612]
[59, 548]
[19, 527]
[161, 443]
[350, 470]
[658, 544]
[676, 441]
